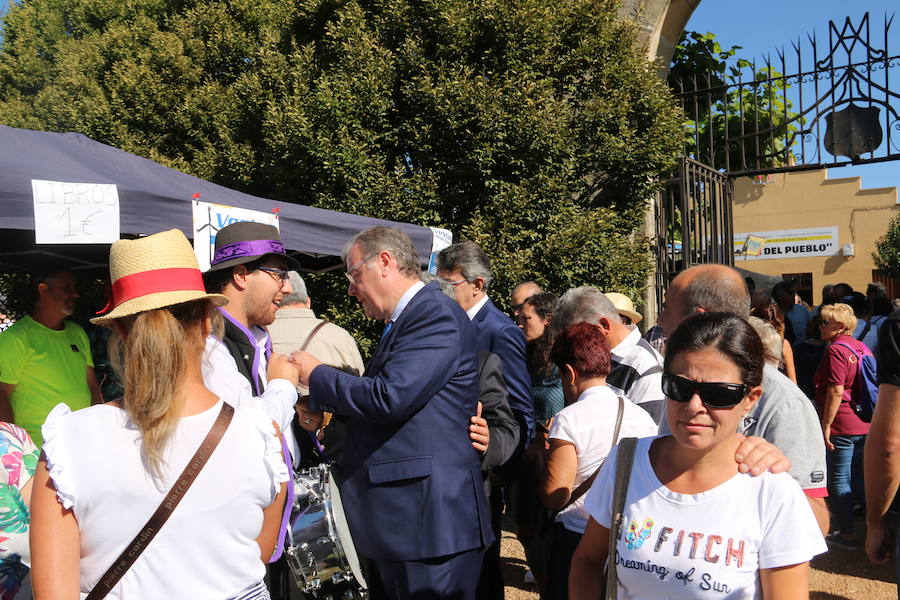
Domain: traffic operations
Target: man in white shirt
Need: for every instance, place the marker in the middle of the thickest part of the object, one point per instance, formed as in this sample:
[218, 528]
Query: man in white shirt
[249, 268]
[636, 365]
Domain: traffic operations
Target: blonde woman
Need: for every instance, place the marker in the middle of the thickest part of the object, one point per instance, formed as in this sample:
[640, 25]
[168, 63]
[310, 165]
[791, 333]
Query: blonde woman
[845, 433]
[107, 468]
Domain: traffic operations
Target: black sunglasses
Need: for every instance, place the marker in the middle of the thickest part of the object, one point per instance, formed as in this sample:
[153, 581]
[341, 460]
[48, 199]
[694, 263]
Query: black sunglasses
[712, 394]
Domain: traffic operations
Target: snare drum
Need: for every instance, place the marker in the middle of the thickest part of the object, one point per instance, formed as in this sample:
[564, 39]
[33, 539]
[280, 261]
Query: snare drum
[320, 550]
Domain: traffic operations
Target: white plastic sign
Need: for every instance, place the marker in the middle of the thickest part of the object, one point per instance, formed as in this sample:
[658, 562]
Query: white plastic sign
[75, 213]
[440, 239]
[791, 243]
[210, 218]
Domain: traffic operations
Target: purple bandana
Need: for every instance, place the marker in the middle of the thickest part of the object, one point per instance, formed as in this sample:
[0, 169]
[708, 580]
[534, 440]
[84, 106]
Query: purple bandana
[249, 248]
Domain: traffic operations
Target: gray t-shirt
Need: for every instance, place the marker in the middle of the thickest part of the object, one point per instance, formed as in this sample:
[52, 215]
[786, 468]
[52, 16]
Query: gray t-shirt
[785, 417]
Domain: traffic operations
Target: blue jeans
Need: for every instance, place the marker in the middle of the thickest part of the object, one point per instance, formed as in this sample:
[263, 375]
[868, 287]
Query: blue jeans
[845, 478]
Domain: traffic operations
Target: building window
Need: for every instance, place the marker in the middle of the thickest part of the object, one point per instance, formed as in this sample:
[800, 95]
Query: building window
[803, 283]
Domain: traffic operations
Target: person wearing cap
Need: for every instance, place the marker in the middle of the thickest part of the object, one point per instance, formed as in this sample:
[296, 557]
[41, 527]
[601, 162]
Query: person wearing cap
[636, 366]
[249, 267]
[107, 468]
[45, 358]
[412, 489]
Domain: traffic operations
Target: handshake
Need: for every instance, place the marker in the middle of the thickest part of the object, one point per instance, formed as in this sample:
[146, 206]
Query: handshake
[297, 368]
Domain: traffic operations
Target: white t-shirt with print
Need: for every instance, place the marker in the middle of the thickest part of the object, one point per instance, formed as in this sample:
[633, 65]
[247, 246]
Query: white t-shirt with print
[709, 545]
[589, 424]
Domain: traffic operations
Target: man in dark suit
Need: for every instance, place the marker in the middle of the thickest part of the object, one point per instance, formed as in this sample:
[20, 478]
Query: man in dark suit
[412, 485]
[496, 423]
[466, 268]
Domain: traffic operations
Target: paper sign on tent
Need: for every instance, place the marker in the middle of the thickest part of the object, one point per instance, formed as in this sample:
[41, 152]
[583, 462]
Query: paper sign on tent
[75, 213]
[210, 218]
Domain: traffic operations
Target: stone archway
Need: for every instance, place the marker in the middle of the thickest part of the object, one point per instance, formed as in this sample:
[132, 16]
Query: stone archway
[660, 23]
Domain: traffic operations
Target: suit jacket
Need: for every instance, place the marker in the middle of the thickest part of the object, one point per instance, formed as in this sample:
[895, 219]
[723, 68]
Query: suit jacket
[504, 430]
[498, 334]
[412, 483]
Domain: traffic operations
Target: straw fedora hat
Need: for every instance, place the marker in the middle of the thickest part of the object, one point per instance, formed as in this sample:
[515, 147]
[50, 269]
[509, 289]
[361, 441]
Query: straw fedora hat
[246, 241]
[624, 306]
[152, 272]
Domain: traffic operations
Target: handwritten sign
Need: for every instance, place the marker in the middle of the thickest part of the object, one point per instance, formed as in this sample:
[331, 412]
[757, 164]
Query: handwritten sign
[75, 213]
[789, 243]
[210, 218]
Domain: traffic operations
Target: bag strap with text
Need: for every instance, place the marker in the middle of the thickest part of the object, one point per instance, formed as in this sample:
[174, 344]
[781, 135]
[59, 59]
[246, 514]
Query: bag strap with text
[623, 475]
[162, 514]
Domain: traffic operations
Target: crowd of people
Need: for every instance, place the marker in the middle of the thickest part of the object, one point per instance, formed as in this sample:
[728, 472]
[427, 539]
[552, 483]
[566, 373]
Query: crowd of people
[661, 465]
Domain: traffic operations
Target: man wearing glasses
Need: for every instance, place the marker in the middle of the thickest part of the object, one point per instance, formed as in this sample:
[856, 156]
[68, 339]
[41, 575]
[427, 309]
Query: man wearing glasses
[249, 268]
[412, 488]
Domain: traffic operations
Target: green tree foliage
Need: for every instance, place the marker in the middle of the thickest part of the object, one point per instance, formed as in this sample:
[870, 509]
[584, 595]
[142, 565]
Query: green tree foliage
[534, 127]
[743, 117]
[887, 249]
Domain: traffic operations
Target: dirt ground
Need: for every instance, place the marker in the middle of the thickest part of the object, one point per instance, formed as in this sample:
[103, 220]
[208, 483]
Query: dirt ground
[836, 575]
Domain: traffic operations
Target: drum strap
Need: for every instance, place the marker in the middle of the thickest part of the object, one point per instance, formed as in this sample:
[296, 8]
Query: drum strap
[162, 514]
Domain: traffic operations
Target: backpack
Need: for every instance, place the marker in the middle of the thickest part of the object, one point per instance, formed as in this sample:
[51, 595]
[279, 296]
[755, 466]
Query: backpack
[866, 384]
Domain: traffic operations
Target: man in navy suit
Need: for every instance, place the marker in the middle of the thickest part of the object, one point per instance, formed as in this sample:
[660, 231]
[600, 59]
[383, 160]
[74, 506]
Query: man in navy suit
[412, 489]
[466, 268]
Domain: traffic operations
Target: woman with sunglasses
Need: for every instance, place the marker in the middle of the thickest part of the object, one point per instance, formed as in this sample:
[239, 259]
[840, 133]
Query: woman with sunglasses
[693, 526]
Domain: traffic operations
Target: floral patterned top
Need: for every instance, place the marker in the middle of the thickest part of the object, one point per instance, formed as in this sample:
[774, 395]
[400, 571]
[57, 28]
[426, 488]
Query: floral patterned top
[19, 457]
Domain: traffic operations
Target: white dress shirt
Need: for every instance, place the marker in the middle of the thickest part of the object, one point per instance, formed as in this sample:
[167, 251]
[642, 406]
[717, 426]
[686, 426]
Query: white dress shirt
[221, 376]
[473, 310]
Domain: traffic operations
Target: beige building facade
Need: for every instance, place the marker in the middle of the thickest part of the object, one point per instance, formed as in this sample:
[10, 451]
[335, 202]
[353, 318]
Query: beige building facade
[811, 229]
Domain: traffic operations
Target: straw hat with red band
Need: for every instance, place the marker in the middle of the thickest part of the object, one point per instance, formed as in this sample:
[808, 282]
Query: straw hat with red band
[246, 241]
[152, 272]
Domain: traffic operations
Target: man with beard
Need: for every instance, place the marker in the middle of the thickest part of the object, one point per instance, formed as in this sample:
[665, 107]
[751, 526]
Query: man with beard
[45, 359]
[249, 267]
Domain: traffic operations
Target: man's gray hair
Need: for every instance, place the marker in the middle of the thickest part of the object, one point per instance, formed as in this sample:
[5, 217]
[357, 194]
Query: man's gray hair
[298, 293]
[469, 259]
[387, 239]
[584, 304]
[714, 292]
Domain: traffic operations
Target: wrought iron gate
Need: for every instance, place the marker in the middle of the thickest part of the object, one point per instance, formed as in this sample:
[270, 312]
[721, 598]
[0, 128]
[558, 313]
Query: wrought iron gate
[840, 106]
[693, 222]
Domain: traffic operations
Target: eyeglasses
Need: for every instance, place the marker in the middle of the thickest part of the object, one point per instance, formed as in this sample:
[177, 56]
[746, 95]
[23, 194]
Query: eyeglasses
[712, 394]
[279, 275]
[351, 273]
[453, 284]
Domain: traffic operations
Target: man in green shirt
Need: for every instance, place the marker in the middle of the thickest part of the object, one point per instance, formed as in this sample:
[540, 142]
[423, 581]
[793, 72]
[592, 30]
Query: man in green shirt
[46, 359]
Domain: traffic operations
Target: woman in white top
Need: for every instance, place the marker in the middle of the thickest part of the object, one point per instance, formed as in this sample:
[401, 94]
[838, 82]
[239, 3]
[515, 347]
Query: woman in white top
[693, 526]
[106, 468]
[580, 439]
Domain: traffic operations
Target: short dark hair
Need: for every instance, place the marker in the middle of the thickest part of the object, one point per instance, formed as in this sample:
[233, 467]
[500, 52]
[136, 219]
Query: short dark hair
[215, 281]
[783, 288]
[730, 334]
[469, 259]
[585, 348]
